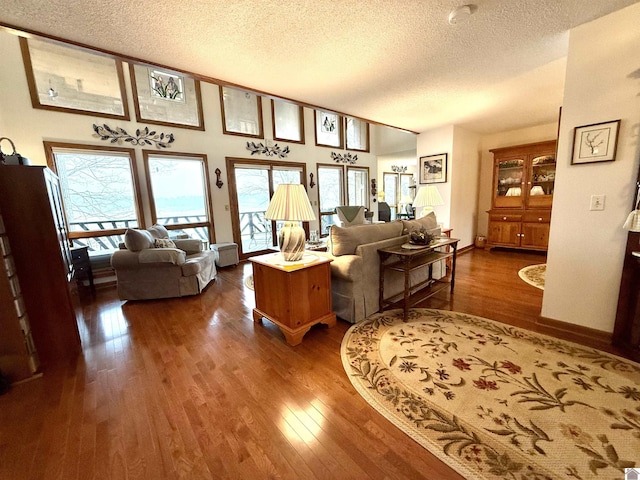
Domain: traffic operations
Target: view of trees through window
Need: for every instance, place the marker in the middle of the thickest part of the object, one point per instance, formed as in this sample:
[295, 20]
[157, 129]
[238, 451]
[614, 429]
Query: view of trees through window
[98, 195]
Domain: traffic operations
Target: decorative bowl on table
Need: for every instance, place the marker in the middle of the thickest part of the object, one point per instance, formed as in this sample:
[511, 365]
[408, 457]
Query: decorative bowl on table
[420, 237]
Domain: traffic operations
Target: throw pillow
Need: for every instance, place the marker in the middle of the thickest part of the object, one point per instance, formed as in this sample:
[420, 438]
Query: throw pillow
[136, 240]
[163, 243]
[158, 231]
[428, 222]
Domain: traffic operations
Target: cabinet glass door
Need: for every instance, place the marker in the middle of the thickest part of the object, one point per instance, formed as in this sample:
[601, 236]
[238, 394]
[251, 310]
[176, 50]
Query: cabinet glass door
[509, 182]
[543, 176]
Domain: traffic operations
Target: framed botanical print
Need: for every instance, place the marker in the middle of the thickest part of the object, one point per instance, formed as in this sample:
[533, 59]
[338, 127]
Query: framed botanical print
[163, 97]
[241, 112]
[357, 134]
[288, 121]
[595, 143]
[328, 129]
[433, 168]
[72, 79]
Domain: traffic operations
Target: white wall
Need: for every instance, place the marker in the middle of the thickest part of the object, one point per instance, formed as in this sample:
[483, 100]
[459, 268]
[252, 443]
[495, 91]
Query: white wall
[463, 175]
[29, 127]
[434, 142]
[586, 248]
[522, 136]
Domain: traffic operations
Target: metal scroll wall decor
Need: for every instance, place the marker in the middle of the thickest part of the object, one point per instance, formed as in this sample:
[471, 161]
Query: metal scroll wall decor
[346, 158]
[142, 137]
[219, 183]
[399, 169]
[274, 151]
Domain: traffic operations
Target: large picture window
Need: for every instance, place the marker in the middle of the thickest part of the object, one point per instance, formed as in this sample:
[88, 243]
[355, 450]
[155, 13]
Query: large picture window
[179, 193]
[99, 193]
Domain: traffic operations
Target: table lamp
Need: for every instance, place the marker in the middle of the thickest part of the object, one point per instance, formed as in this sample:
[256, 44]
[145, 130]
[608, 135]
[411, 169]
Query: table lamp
[427, 198]
[291, 204]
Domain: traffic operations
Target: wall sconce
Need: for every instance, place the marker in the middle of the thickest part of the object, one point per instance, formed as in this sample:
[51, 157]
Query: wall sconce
[311, 182]
[374, 189]
[219, 182]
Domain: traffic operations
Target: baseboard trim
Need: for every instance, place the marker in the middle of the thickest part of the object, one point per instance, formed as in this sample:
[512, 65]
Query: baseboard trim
[466, 249]
[575, 333]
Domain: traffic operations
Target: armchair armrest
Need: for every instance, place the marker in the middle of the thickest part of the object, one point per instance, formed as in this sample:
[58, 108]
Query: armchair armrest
[189, 245]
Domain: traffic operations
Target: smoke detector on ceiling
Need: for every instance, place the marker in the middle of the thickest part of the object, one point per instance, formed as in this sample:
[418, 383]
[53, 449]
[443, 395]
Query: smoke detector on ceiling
[460, 14]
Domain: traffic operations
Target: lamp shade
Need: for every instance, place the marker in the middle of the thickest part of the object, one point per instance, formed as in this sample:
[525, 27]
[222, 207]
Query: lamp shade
[428, 196]
[290, 202]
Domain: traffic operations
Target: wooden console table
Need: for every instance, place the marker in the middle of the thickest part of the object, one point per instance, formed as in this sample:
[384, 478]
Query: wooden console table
[410, 260]
[293, 295]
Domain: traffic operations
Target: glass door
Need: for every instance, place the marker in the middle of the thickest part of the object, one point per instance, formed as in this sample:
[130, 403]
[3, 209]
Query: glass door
[543, 176]
[251, 186]
[509, 182]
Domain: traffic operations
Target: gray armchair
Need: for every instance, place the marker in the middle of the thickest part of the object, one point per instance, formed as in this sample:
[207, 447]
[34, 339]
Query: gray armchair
[149, 265]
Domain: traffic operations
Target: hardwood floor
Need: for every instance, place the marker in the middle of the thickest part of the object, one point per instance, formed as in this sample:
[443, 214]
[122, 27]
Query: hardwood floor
[191, 388]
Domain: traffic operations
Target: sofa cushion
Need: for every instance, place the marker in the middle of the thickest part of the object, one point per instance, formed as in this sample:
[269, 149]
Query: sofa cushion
[197, 262]
[428, 222]
[158, 231]
[136, 240]
[162, 255]
[345, 240]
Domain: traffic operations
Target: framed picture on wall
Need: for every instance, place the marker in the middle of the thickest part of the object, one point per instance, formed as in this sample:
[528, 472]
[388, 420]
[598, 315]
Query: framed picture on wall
[433, 168]
[595, 143]
[163, 97]
[288, 121]
[73, 80]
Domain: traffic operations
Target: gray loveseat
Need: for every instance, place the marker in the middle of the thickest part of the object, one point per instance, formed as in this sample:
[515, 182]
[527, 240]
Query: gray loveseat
[150, 265]
[355, 269]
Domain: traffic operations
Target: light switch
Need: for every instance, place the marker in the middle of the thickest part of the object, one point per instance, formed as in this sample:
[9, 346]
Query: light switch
[597, 202]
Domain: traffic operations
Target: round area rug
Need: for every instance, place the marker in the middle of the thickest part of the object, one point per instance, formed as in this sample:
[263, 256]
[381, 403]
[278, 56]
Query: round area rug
[534, 275]
[497, 402]
[248, 282]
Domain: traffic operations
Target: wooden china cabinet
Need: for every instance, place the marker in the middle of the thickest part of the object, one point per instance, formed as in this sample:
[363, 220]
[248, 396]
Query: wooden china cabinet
[523, 182]
[36, 252]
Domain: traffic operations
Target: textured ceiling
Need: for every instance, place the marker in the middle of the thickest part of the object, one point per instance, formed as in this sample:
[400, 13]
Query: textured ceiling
[396, 62]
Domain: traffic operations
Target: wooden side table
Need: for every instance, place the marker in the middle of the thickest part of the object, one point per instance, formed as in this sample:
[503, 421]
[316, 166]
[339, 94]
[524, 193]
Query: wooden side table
[293, 295]
[409, 260]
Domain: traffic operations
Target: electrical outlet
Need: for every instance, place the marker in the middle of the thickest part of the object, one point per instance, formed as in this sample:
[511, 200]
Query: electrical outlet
[597, 202]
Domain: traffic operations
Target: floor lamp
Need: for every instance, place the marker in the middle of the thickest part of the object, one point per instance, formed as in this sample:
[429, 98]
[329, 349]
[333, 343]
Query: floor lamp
[291, 204]
[427, 198]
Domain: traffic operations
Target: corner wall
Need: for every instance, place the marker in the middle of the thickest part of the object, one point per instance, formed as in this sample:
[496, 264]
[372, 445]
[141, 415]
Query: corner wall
[586, 248]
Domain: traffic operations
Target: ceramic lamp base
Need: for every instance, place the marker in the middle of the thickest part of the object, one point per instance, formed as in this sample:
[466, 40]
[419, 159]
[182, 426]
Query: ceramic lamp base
[292, 241]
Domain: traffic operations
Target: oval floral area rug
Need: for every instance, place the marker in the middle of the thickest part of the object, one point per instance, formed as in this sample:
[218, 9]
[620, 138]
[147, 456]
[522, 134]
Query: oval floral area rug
[498, 402]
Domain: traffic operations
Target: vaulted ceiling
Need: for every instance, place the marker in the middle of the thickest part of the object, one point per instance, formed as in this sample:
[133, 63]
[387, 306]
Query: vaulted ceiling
[397, 62]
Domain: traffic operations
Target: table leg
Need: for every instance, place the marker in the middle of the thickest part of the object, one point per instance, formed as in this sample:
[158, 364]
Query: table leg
[407, 286]
[453, 266]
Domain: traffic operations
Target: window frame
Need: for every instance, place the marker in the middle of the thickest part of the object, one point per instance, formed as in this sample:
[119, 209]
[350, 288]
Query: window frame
[300, 122]
[346, 135]
[50, 147]
[208, 224]
[366, 185]
[331, 166]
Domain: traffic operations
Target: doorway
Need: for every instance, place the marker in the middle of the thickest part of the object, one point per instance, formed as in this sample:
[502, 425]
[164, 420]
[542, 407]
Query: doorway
[251, 186]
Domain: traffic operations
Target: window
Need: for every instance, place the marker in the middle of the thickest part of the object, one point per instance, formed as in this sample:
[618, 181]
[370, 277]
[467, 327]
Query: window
[358, 186]
[357, 135]
[328, 128]
[330, 194]
[391, 191]
[288, 121]
[332, 183]
[99, 192]
[179, 193]
[241, 112]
